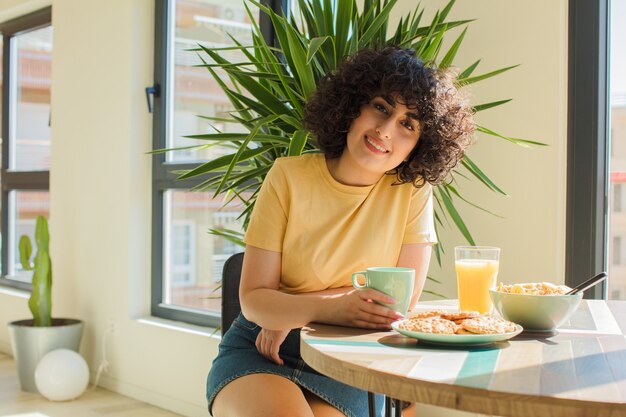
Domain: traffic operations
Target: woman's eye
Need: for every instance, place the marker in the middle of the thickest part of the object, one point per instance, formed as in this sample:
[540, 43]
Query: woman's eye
[408, 125]
[380, 107]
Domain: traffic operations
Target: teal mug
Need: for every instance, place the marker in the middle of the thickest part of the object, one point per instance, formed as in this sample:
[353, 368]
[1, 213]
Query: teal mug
[394, 281]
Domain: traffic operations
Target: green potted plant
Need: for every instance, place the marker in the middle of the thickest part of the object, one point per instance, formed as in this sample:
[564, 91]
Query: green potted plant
[31, 339]
[268, 87]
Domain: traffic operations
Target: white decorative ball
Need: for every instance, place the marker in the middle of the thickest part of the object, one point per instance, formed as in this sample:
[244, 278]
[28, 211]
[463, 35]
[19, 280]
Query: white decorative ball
[62, 375]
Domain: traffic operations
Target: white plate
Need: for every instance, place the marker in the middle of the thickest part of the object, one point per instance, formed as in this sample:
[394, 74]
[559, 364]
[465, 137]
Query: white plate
[456, 339]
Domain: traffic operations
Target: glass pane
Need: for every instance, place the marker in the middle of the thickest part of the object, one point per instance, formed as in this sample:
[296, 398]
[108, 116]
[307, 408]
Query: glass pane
[194, 258]
[24, 207]
[617, 192]
[30, 100]
[195, 92]
[1, 84]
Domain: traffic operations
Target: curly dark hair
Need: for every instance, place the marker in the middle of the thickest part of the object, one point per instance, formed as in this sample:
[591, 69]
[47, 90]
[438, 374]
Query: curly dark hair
[446, 118]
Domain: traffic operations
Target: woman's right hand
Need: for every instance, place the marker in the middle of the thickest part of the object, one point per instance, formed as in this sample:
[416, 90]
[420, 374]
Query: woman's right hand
[359, 308]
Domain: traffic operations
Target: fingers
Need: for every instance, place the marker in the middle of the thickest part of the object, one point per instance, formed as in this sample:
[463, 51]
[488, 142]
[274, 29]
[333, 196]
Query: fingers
[371, 294]
[377, 313]
[273, 351]
[268, 345]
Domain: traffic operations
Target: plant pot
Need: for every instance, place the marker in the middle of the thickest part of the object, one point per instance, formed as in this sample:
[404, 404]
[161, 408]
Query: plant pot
[31, 343]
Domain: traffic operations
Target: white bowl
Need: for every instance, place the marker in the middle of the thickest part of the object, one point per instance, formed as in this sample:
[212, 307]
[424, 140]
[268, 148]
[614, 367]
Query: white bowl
[535, 313]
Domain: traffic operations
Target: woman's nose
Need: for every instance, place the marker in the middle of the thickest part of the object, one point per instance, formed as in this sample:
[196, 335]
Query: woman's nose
[380, 133]
[383, 130]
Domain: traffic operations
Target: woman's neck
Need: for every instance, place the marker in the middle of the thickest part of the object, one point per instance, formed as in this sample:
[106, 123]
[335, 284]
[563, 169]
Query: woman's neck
[341, 172]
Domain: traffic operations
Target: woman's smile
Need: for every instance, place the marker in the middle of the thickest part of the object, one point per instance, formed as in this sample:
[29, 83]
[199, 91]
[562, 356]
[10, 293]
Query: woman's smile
[375, 145]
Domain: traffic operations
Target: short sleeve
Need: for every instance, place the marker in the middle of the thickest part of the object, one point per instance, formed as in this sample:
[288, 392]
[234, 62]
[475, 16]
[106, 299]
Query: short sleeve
[420, 227]
[266, 229]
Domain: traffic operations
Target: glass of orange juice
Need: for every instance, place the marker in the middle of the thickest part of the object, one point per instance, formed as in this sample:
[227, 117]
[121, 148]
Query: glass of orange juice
[476, 272]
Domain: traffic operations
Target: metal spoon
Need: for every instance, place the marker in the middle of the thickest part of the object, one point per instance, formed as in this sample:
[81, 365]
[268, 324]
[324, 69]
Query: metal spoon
[587, 284]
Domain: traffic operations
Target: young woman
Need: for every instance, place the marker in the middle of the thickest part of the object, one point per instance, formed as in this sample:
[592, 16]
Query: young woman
[388, 127]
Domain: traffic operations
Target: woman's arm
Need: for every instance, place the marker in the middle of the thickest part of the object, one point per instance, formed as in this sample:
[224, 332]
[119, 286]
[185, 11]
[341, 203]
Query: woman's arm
[262, 303]
[417, 256]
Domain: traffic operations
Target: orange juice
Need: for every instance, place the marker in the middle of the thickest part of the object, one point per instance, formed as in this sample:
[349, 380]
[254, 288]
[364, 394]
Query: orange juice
[474, 278]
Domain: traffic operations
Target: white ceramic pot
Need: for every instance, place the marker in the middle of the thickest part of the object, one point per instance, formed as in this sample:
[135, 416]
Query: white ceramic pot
[31, 343]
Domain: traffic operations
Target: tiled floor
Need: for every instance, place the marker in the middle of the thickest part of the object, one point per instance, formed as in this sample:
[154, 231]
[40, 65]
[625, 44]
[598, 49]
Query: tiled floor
[93, 403]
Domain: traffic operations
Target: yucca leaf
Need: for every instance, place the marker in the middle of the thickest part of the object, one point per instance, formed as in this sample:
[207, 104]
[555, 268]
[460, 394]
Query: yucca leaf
[468, 71]
[415, 24]
[243, 177]
[435, 280]
[446, 10]
[521, 142]
[244, 146]
[451, 54]
[306, 11]
[216, 119]
[481, 77]
[454, 191]
[427, 39]
[297, 142]
[454, 214]
[379, 21]
[481, 107]
[223, 161]
[298, 54]
[229, 137]
[233, 100]
[292, 121]
[178, 148]
[263, 96]
[314, 46]
[478, 173]
[343, 24]
[431, 52]
[229, 235]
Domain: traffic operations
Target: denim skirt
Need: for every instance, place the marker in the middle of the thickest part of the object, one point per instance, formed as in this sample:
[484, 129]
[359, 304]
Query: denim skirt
[238, 356]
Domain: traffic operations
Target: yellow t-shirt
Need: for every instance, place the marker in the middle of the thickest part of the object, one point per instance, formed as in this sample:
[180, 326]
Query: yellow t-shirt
[326, 230]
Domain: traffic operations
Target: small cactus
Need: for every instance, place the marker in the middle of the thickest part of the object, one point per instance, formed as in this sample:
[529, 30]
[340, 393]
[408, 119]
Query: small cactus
[40, 302]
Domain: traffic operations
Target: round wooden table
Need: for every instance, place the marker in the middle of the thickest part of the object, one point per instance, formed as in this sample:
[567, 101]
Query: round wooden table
[581, 371]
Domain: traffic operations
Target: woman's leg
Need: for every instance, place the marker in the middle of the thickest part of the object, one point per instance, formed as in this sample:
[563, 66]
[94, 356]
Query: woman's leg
[260, 395]
[320, 407]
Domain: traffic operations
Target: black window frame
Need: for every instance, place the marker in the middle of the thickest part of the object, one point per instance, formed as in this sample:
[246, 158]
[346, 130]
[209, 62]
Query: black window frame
[163, 178]
[588, 143]
[14, 180]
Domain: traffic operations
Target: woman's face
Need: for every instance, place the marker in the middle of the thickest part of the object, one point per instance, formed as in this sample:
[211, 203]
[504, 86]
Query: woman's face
[380, 139]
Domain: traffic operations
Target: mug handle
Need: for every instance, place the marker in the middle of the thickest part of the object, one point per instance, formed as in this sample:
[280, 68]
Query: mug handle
[355, 282]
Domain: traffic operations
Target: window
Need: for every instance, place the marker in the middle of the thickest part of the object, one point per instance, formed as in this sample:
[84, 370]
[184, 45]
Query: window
[586, 250]
[617, 160]
[597, 145]
[617, 251]
[187, 259]
[26, 139]
[617, 195]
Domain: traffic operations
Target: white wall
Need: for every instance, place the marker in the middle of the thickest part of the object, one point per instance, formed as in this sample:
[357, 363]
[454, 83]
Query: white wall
[100, 207]
[531, 233]
[100, 179]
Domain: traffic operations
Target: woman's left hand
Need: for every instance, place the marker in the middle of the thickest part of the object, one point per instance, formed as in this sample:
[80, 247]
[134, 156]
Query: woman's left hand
[268, 343]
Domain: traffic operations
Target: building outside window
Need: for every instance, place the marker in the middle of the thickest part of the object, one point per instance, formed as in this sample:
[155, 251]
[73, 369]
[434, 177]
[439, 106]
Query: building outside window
[617, 175]
[27, 44]
[187, 259]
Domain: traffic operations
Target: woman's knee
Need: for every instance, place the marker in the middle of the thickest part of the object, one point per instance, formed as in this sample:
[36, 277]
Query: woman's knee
[260, 395]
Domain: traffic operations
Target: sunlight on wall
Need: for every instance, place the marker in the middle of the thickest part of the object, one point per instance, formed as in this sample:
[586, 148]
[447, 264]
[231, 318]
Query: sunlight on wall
[27, 415]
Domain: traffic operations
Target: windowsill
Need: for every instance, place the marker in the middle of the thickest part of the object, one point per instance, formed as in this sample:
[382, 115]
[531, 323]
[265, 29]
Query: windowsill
[14, 292]
[181, 327]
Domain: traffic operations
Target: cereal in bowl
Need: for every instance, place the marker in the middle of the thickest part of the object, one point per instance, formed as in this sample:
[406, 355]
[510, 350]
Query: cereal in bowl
[534, 288]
